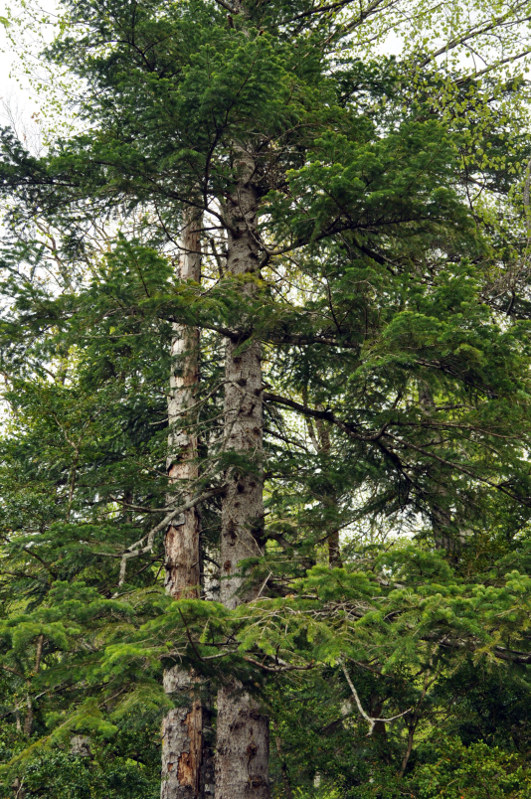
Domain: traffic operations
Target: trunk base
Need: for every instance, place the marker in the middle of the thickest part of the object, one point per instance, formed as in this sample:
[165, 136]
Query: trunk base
[242, 746]
[182, 742]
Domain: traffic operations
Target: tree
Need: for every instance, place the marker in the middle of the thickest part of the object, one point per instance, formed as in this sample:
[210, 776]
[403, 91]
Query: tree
[353, 212]
[183, 744]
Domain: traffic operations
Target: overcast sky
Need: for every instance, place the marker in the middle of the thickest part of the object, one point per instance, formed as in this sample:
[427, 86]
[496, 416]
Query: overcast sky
[20, 101]
[11, 90]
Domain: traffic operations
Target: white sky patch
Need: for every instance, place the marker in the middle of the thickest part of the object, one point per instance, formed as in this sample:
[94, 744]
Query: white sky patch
[34, 93]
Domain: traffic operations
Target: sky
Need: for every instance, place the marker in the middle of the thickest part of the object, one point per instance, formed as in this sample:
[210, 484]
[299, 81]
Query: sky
[21, 103]
[12, 91]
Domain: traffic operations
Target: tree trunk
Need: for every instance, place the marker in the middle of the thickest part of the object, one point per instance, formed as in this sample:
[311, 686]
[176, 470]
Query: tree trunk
[182, 537]
[331, 500]
[321, 443]
[444, 533]
[242, 753]
[28, 721]
[242, 749]
[182, 728]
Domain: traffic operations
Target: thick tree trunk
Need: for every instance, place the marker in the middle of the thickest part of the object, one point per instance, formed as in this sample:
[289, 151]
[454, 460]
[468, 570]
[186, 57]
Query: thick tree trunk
[182, 740]
[242, 748]
[242, 753]
[182, 728]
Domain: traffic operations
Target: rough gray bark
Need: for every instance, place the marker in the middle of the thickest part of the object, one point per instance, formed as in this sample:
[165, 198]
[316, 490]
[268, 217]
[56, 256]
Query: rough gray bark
[182, 728]
[242, 730]
[242, 754]
[80, 746]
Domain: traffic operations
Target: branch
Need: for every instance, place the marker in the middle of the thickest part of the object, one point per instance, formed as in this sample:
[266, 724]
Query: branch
[369, 719]
[463, 469]
[321, 9]
[474, 31]
[353, 431]
[227, 6]
[329, 416]
[140, 508]
[512, 655]
[145, 544]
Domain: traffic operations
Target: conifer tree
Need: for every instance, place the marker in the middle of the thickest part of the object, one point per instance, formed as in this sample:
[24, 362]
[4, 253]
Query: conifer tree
[183, 745]
[363, 269]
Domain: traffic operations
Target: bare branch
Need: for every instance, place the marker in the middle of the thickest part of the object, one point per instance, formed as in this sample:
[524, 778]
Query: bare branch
[227, 6]
[369, 719]
[145, 544]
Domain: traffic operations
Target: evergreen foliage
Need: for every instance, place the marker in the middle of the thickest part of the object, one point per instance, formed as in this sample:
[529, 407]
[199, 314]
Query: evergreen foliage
[388, 634]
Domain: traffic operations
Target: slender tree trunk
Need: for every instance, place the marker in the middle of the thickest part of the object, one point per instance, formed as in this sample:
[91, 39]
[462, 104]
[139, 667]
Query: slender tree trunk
[334, 550]
[444, 533]
[321, 443]
[242, 749]
[182, 537]
[182, 728]
[28, 721]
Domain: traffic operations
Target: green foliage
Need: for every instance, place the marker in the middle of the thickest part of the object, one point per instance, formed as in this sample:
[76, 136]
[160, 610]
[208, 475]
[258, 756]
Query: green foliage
[393, 241]
[474, 772]
[62, 776]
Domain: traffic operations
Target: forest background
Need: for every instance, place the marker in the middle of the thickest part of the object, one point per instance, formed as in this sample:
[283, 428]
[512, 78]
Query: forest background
[265, 348]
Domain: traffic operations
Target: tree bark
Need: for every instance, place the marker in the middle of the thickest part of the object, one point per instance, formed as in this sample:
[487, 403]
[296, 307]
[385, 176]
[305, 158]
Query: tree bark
[444, 533]
[182, 728]
[242, 749]
[182, 537]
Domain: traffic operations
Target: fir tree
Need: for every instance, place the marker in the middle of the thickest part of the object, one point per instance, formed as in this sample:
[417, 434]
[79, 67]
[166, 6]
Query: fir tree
[364, 293]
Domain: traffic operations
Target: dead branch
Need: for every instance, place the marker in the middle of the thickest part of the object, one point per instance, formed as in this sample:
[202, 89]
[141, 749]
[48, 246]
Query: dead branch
[369, 719]
[145, 544]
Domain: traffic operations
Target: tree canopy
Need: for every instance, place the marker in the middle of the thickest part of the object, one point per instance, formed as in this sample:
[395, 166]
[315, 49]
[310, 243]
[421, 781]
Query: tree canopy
[346, 423]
